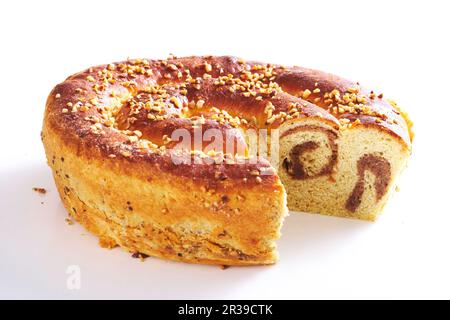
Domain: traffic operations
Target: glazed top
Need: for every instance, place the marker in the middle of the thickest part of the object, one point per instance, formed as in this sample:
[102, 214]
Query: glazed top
[129, 109]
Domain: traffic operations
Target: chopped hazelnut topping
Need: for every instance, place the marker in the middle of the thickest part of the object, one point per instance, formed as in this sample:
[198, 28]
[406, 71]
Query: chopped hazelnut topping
[353, 89]
[176, 102]
[117, 85]
[208, 67]
[200, 103]
[172, 67]
[306, 94]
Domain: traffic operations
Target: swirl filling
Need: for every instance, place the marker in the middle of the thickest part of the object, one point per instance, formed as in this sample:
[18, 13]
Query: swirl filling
[295, 167]
[380, 168]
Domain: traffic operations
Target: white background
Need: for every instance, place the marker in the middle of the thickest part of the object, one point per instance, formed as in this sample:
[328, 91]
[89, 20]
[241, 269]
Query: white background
[398, 47]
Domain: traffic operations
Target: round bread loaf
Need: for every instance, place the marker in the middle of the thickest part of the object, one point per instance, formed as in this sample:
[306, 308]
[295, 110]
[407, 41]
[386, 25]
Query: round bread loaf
[159, 156]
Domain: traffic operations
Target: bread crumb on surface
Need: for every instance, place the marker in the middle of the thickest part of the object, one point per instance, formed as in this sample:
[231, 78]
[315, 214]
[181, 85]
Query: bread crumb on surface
[40, 190]
[140, 256]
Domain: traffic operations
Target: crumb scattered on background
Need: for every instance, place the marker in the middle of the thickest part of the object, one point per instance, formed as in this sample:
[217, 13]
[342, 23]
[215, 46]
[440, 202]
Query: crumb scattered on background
[397, 188]
[140, 256]
[224, 267]
[40, 190]
[69, 221]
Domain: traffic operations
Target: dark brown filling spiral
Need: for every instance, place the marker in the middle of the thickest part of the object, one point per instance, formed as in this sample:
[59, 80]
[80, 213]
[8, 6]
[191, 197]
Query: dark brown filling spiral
[381, 168]
[293, 164]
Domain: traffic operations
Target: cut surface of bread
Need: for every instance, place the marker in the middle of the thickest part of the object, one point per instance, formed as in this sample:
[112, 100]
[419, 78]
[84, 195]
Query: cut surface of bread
[347, 173]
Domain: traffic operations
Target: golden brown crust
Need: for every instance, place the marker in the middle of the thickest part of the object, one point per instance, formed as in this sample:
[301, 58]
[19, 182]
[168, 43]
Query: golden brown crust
[146, 210]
